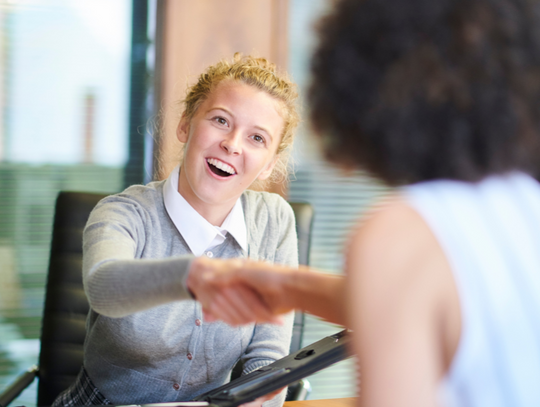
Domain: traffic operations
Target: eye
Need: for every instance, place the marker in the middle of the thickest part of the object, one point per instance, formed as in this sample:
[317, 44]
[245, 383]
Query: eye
[258, 138]
[221, 120]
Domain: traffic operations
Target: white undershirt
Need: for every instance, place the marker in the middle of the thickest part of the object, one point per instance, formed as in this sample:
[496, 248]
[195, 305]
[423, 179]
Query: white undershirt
[199, 234]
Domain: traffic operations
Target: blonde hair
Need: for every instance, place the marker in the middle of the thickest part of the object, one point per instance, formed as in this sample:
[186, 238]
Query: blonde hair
[263, 75]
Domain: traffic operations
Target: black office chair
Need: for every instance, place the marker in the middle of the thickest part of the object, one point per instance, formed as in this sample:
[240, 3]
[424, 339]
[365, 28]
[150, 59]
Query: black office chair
[304, 215]
[66, 306]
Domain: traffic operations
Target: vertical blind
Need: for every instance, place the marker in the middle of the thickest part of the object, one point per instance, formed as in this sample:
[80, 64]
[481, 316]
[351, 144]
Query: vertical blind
[339, 200]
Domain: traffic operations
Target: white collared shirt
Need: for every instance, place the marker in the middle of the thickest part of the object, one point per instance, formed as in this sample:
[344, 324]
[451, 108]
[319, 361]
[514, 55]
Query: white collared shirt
[199, 234]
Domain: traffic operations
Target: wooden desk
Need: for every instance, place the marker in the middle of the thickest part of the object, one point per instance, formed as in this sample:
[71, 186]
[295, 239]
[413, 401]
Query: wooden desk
[345, 402]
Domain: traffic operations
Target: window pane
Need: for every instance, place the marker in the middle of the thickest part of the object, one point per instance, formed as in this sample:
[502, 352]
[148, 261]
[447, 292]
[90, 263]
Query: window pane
[64, 91]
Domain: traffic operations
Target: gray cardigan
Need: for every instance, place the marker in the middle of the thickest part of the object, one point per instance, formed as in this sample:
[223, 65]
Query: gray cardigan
[146, 339]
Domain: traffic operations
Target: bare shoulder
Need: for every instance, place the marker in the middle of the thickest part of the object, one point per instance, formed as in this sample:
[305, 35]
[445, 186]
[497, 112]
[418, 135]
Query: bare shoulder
[393, 239]
[394, 252]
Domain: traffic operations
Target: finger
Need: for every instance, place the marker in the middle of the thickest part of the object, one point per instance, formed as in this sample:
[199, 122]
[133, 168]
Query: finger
[249, 305]
[237, 305]
[242, 306]
[234, 271]
[208, 316]
[220, 315]
[257, 402]
[205, 296]
[254, 403]
[275, 393]
[228, 304]
[228, 311]
[258, 309]
[217, 310]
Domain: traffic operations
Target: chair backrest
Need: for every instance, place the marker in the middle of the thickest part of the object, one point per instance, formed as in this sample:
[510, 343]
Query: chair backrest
[64, 315]
[66, 306]
[304, 214]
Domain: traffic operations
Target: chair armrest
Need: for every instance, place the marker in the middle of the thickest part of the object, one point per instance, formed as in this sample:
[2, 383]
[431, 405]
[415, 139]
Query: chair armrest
[21, 383]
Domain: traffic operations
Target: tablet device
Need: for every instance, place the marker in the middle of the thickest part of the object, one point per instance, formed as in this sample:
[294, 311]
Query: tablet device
[281, 373]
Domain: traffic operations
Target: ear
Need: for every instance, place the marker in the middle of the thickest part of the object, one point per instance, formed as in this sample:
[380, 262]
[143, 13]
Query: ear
[182, 130]
[265, 173]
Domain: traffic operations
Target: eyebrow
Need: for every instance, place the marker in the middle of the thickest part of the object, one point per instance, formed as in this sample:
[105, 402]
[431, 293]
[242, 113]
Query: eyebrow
[263, 129]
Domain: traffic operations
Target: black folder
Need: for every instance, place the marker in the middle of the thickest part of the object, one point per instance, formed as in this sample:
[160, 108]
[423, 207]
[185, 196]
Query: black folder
[281, 373]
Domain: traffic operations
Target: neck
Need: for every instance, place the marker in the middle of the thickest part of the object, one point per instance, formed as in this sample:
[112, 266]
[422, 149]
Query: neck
[215, 214]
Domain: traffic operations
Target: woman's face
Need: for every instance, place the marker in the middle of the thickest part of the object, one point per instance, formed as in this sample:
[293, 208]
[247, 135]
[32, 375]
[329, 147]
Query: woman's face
[230, 142]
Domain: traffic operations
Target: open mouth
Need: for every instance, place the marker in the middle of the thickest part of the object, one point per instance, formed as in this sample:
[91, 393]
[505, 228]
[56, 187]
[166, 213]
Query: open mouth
[220, 168]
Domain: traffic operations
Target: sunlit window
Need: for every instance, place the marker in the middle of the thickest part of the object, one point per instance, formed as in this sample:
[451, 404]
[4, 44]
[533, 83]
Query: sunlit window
[64, 96]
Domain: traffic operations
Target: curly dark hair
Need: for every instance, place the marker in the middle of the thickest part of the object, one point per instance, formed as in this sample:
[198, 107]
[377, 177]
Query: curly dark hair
[413, 90]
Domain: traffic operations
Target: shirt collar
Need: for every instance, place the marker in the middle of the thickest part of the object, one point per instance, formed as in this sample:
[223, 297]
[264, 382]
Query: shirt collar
[198, 233]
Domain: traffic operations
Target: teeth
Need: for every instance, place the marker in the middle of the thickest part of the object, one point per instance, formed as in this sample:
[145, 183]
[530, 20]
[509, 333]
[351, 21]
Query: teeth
[221, 165]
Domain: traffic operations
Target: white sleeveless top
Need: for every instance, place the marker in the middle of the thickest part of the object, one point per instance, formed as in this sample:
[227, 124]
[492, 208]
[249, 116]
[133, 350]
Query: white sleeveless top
[490, 233]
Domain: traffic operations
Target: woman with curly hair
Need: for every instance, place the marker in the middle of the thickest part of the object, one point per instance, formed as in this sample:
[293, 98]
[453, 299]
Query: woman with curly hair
[441, 100]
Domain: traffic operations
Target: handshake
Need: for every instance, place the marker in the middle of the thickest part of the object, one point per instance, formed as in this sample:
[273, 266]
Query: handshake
[242, 291]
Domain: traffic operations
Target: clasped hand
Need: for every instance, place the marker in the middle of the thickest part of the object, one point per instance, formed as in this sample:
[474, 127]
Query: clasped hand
[239, 291]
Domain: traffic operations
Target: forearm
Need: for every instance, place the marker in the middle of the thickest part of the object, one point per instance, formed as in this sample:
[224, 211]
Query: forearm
[118, 280]
[122, 287]
[317, 293]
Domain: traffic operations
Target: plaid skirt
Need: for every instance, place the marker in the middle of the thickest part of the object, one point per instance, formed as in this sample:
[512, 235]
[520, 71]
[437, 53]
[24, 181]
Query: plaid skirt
[81, 393]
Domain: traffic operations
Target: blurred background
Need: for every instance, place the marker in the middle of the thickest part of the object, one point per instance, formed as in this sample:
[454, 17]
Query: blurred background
[89, 93]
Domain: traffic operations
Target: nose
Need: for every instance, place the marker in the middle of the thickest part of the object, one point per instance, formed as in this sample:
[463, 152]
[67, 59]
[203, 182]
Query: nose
[232, 143]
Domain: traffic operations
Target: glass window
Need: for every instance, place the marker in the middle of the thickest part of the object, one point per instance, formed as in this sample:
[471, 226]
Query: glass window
[64, 125]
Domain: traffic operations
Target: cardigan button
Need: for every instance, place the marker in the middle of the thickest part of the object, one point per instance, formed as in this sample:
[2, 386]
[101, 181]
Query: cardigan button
[176, 386]
[189, 356]
[209, 254]
[198, 322]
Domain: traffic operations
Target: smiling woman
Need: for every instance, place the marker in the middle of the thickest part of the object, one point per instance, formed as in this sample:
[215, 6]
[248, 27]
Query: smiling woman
[260, 75]
[231, 141]
[147, 340]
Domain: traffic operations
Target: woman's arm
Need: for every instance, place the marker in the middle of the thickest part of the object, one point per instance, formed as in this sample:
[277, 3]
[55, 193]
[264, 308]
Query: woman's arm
[116, 282]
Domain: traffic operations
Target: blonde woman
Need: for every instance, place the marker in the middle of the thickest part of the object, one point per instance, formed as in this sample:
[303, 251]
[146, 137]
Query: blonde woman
[147, 340]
